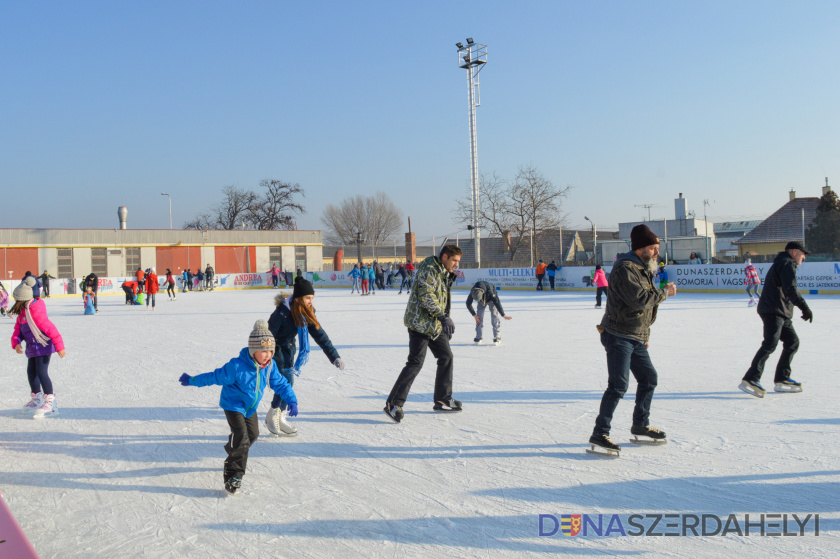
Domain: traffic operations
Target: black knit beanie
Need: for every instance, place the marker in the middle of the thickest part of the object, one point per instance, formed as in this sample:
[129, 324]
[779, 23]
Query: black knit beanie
[641, 236]
[302, 287]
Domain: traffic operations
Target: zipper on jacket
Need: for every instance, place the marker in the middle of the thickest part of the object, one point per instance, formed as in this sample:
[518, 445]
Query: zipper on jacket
[256, 389]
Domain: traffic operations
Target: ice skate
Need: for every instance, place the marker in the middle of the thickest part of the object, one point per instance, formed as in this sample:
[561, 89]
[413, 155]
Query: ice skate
[597, 306]
[232, 484]
[447, 405]
[752, 302]
[36, 399]
[603, 445]
[394, 412]
[47, 409]
[477, 341]
[497, 340]
[752, 388]
[788, 385]
[650, 435]
[276, 422]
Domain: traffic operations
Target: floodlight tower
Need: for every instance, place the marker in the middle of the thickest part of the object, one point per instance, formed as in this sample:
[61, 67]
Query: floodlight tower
[472, 58]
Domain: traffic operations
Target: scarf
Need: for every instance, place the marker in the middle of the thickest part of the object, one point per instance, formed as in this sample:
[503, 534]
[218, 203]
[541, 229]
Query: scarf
[40, 337]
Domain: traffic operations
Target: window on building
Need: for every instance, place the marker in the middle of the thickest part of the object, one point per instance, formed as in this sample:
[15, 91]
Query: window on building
[65, 263]
[274, 256]
[99, 261]
[300, 258]
[132, 260]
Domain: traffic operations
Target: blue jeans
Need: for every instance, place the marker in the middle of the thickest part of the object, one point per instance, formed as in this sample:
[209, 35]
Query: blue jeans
[277, 401]
[754, 288]
[355, 286]
[624, 356]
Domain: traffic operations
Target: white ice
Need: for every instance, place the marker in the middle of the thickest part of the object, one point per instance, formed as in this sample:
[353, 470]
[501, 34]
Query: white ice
[132, 467]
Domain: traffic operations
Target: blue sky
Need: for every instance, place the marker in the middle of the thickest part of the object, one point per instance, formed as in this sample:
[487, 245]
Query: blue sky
[111, 103]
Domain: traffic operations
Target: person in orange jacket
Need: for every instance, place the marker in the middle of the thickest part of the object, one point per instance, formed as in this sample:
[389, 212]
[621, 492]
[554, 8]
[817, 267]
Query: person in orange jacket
[140, 275]
[152, 287]
[540, 275]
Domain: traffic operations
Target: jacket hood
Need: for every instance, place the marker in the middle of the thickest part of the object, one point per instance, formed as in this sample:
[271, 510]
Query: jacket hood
[282, 299]
[245, 355]
[630, 256]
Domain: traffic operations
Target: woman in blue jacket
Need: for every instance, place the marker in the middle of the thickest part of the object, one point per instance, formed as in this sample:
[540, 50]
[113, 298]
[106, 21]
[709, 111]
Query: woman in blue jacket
[243, 380]
[355, 274]
[293, 318]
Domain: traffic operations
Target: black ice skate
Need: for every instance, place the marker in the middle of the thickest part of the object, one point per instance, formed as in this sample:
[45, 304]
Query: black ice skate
[603, 446]
[752, 388]
[447, 405]
[497, 340]
[232, 484]
[788, 385]
[477, 340]
[651, 435]
[394, 412]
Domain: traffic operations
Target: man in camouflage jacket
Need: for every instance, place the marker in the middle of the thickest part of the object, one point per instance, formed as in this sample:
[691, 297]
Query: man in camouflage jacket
[429, 328]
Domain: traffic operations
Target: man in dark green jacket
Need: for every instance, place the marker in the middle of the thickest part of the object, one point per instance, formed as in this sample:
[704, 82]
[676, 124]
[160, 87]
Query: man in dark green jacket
[632, 300]
[429, 327]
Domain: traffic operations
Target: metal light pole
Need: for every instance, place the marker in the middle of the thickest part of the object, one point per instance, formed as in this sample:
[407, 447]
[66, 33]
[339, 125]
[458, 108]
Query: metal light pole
[472, 58]
[594, 237]
[170, 207]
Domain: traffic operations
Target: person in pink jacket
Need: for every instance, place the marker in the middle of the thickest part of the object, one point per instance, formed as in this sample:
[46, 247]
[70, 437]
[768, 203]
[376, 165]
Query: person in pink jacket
[42, 339]
[601, 285]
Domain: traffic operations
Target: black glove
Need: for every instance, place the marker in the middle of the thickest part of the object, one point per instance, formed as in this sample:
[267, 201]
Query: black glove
[807, 315]
[448, 326]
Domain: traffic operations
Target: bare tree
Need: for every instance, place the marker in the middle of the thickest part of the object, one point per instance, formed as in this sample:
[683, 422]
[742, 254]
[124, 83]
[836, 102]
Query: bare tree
[276, 208]
[536, 203]
[376, 217]
[493, 203]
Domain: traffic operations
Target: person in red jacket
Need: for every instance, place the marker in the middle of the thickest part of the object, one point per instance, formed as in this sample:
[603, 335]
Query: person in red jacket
[130, 288]
[169, 282]
[601, 284]
[152, 287]
[409, 267]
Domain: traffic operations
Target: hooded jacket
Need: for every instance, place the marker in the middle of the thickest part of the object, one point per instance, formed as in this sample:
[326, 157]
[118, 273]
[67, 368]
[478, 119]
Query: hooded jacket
[430, 298]
[282, 325]
[632, 299]
[244, 383]
[780, 294]
[491, 297]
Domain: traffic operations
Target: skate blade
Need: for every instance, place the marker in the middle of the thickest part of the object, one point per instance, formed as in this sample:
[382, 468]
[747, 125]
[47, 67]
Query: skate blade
[637, 440]
[751, 392]
[609, 453]
[787, 389]
[284, 435]
[446, 410]
[45, 416]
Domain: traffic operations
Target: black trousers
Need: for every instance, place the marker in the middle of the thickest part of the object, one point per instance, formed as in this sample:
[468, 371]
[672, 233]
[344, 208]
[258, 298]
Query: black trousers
[417, 346]
[598, 292]
[170, 290]
[539, 281]
[243, 434]
[551, 282]
[129, 295]
[46, 286]
[776, 328]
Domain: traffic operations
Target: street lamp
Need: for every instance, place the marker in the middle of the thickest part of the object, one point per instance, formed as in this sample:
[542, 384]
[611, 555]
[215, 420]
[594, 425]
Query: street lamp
[595, 238]
[472, 58]
[170, 207]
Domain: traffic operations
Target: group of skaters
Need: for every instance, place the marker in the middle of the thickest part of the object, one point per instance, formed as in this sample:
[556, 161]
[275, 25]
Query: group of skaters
[288, 278]
[279, 348]
[370, 277]
[198, 281]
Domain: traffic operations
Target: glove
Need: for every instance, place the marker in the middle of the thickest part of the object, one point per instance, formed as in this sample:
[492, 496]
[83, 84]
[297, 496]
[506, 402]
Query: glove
[339, 364]
[448, 326]
[292, 409]
[185, 379]
[807, 315]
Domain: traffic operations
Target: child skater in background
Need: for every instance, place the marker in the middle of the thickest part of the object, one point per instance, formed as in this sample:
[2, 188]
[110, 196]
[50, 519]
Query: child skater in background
[293, 318]
[243, 379]
[42, 340]
[4, 301]
[88, 299]
[752, 282]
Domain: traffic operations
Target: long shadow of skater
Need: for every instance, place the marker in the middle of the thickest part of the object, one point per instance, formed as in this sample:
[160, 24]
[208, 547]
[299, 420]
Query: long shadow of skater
[497, 533]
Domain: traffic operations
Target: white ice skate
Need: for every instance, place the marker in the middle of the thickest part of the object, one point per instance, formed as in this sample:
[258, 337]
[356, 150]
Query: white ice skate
[752, 302]
[788, 385]
[752, 388]
[276, 422]
[36, 399]
[48, 408]
[497, 340]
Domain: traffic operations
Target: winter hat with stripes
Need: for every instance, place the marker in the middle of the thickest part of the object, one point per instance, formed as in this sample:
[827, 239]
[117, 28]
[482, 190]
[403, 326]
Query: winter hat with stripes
[261, 338]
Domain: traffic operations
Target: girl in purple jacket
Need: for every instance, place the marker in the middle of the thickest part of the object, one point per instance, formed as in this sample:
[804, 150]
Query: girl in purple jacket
[42, 340]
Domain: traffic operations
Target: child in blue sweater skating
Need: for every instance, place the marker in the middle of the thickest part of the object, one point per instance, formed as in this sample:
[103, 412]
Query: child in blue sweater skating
[243, 379]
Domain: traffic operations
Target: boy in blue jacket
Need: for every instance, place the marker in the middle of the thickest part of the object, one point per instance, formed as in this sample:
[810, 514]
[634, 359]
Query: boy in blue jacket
[244, 379]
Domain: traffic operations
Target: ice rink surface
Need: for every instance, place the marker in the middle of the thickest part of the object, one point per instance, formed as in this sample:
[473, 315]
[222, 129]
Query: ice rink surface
[132, 467]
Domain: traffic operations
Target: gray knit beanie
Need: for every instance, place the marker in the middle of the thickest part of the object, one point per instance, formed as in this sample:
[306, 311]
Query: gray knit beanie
[23, 292]
[261, 338]
[477, 294]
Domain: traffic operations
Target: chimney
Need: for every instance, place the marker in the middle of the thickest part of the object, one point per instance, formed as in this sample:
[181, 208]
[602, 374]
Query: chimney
[506, 241]
[122, 213]
[826, 188]
[680, 207]
[792, 194]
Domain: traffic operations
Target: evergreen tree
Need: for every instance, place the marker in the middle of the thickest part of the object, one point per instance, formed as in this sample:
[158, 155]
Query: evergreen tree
[823, 235]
